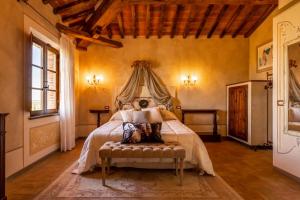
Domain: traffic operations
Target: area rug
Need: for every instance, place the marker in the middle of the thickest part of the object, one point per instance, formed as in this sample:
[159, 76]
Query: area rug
[130, 183]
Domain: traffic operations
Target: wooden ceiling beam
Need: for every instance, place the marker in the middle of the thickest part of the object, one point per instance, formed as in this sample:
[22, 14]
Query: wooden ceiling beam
[86, 36]
[232, 20]
[104, 14]
[187, 25]
[218, 19]
[204, 2]
[245, 21]
[121, 25]
[65, 7]
[47, 1]
[161, 20]
[148, 20]
[81, 48]
[109, 31]
[203, 21]
[83, 13]
[97, 31]
[175, 19]
[77, 23]
[133, 21]
[267, 12]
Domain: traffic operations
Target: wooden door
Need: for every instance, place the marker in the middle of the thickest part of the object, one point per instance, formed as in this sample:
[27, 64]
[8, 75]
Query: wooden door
[238, 112]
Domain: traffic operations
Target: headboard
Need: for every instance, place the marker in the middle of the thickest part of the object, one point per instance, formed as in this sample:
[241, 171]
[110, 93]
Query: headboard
[141, 102]
[144, 100]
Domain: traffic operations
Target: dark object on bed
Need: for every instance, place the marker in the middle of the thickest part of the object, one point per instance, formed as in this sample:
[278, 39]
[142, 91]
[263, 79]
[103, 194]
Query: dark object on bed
[142, 132]
[143, 103]
[2, 156]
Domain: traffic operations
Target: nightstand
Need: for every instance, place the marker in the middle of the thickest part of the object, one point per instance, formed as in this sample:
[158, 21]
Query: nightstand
[214, 137]
[99, 112]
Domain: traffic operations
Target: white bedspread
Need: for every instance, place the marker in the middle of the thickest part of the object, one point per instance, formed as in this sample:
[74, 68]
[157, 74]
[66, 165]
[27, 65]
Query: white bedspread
[173, 130]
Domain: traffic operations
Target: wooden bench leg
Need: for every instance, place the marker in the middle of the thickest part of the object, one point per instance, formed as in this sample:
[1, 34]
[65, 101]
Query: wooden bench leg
[181, 171]
[108, 165]
[103, 165]
[176, 166]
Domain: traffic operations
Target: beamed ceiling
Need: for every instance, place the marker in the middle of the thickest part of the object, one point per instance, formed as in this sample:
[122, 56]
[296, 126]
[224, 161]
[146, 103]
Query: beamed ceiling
[104, 21]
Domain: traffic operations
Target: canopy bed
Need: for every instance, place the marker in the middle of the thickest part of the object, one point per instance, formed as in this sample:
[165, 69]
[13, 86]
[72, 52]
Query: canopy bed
[172, 129]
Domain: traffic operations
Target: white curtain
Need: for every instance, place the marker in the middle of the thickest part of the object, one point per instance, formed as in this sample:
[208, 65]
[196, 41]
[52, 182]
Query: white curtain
[67, 105]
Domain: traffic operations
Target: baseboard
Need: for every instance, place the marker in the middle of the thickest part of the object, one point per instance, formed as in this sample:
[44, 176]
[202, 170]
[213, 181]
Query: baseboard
[13, 161]
[28, 160]
[253, 147]
[30, 165]
[288, 174]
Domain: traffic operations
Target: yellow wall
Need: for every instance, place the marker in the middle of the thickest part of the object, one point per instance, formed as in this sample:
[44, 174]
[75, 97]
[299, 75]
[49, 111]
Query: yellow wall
[262, 35]
[12, 78]
[216, 62]
[11, 71]
[282, 3]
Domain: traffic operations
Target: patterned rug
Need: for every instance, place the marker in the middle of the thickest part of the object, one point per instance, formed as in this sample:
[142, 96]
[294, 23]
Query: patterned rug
[129, 183]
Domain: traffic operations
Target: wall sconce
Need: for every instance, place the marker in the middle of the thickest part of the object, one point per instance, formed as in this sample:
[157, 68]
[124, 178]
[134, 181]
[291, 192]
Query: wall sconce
[189, 80]
[95, 80]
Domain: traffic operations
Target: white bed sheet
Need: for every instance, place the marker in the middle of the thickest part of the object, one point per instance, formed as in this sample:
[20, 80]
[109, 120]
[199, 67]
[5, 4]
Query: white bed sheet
[173, 130]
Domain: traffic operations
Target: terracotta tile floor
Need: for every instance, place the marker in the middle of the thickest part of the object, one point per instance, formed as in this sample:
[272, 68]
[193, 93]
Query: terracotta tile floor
[250, 173]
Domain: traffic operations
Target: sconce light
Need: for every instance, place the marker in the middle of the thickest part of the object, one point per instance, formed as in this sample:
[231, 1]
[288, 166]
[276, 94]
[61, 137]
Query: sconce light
[189, 80]
[95, 80]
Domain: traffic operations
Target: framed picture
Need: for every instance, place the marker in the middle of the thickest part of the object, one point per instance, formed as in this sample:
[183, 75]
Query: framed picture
[264, 57]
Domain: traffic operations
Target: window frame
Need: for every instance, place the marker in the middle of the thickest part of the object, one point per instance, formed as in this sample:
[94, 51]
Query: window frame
[45, 87]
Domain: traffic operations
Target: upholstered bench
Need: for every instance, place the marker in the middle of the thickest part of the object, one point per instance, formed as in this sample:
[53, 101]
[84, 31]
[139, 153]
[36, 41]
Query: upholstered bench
[143, 150]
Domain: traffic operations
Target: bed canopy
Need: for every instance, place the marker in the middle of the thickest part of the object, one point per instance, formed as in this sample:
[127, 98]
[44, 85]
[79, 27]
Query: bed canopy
[142, 73]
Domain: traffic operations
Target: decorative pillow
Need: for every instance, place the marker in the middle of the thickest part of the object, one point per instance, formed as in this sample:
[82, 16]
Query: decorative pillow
[143, 132]
[140, 117]
[155, 116]
[131, 134]
[127, 115]
[155, 135]
[116, 116]
[167, 115]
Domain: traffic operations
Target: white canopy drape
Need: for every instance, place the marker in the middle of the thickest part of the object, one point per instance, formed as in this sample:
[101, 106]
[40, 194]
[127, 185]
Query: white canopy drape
[67, 105]
[157, 89]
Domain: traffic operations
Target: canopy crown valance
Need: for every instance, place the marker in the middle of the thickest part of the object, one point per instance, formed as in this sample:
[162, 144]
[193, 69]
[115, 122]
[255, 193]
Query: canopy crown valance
[142, 73]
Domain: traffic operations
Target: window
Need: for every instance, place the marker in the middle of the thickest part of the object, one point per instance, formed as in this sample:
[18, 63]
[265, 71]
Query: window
[44, 79]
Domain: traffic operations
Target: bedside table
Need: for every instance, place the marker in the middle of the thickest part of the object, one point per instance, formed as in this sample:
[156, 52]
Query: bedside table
[99, 112]
[214, 137]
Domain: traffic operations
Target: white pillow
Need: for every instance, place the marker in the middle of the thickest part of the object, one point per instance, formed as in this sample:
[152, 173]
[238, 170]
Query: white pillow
[116, 116]
[155, 116]
[127, 115]
[140, 117]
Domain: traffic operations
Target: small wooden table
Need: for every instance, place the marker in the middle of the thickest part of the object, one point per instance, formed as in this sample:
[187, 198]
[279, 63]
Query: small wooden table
[214, 137]
[99, 112]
